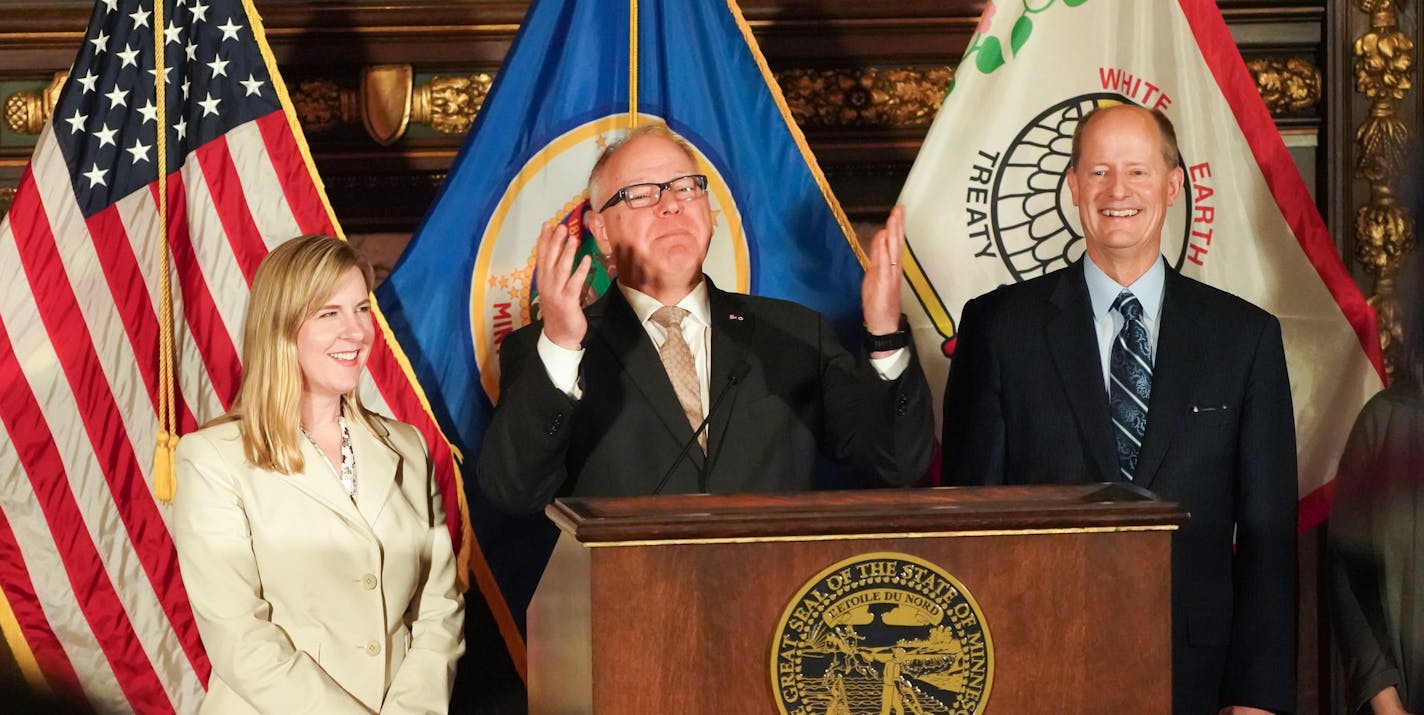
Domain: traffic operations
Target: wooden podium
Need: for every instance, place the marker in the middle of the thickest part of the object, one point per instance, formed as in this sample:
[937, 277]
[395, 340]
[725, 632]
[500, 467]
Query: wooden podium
[684, 604]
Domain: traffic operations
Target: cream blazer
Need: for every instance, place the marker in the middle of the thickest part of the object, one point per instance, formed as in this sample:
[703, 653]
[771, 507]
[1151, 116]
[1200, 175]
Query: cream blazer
[306, 602]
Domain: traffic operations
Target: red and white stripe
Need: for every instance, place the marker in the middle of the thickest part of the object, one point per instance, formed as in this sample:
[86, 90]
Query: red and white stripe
[86, 557]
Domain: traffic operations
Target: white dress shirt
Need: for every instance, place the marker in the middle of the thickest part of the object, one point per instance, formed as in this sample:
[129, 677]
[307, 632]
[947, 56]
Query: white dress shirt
[562, 364]
[1107, 323]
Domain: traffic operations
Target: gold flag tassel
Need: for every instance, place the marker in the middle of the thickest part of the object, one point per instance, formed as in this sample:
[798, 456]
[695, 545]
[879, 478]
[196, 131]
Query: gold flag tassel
[164, 484]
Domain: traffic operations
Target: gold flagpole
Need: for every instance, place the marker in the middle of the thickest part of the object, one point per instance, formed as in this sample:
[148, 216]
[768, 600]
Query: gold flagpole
[632, 64]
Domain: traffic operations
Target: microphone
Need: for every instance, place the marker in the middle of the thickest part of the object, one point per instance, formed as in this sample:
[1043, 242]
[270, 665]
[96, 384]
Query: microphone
[739, 371]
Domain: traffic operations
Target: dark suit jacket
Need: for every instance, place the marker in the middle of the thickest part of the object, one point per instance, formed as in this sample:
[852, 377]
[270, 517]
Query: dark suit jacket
[1026, 404]
[787, 390]
[1372, 572]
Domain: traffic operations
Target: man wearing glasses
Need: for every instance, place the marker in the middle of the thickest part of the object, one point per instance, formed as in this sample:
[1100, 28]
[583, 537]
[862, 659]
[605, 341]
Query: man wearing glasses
[668, 384]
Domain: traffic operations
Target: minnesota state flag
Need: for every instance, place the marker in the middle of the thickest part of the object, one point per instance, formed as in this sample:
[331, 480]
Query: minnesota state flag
[579, 74]
[987, 203]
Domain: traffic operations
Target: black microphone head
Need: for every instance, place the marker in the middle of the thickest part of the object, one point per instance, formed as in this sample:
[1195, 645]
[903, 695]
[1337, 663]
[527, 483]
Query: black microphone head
[740, 370]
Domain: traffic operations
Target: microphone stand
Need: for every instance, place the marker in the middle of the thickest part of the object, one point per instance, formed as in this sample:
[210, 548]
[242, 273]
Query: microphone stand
[738, 372]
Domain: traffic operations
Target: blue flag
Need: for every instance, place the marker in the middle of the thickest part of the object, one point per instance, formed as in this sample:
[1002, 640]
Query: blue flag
[563, 94]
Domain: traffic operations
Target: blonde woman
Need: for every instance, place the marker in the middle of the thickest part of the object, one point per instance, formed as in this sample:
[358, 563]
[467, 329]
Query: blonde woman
[310, 533]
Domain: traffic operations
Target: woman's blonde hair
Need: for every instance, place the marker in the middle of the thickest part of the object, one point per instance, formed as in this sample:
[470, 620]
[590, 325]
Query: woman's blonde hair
[294, 280]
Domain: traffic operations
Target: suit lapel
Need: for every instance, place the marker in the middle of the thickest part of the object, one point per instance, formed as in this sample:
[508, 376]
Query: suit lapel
[1071, 341]
[317, 481]
[376, 466]
[1173, 375]
[732, 328]
[619, 329]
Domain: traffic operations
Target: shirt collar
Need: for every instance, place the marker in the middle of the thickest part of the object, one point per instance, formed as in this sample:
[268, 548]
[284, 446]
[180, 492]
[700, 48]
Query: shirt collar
[1102, 290]
[644, 305]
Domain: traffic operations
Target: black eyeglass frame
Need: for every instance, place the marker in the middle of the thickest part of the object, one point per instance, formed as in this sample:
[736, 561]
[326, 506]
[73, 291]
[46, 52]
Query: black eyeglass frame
[622, 194]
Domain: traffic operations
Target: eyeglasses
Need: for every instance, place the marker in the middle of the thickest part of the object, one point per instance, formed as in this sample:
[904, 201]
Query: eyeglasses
[683, 188]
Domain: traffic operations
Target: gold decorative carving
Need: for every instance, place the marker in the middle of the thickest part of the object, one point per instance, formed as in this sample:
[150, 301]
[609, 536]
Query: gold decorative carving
[1288, 85]
[7, 197]
[385, 101]
[27, 112]
[1385, 234]
[871, 97]
[1384, 65]
[1384, 230]
[449, 104]
[1382, 141]
[323, 105]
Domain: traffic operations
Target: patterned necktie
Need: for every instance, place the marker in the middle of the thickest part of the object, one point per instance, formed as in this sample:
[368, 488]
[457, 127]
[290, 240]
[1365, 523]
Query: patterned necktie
[681, 368]
[1131, 372]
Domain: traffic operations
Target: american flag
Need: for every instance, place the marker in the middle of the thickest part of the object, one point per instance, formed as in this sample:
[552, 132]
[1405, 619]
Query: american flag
[96, 605]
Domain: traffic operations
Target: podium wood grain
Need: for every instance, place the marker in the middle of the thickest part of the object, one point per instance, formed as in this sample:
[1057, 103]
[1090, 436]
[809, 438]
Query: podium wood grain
[671, 604]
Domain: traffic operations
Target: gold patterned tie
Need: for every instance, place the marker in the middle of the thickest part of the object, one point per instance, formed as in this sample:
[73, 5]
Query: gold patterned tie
[681, 368]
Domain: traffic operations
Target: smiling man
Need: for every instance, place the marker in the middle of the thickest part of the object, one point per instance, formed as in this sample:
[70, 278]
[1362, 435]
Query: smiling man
[668, 384]
[1117, 368]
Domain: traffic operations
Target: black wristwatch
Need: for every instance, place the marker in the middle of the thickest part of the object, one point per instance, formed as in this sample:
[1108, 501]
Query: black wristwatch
[891, 341]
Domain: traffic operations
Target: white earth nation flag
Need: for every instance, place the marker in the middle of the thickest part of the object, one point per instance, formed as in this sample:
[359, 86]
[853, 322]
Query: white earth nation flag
[987, 203]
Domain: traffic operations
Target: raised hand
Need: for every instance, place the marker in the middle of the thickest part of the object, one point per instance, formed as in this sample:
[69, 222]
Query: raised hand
[561, 291]
[880, 291]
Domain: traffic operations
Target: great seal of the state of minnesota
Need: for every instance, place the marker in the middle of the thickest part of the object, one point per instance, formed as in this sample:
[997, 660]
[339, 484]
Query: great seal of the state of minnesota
[882, 632]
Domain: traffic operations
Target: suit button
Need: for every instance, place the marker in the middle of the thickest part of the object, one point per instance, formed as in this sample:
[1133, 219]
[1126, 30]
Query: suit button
[368, 582]
[373, 648]
[902, 406]
[556, 423]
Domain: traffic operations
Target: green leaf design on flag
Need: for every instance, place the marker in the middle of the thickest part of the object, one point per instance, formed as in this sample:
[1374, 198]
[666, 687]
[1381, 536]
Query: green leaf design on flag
[988, 50]
[991, 55]
[1022, 29]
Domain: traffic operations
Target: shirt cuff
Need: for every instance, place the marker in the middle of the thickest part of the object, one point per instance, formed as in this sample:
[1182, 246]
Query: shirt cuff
[890, 367]
[562, 366]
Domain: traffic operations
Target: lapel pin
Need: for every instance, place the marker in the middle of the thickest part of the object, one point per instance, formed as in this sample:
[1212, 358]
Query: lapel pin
[734, 316]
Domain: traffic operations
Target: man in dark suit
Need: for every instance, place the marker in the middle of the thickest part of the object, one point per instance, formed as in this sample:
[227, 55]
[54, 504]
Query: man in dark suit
[607, 401]
[1119, 368]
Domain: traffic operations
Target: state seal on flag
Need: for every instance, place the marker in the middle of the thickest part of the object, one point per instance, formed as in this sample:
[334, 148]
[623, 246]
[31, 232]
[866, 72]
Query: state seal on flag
[552, 186]
[882, 632]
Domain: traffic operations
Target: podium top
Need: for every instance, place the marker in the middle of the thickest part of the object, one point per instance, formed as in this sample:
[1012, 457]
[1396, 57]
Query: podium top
[613, 521]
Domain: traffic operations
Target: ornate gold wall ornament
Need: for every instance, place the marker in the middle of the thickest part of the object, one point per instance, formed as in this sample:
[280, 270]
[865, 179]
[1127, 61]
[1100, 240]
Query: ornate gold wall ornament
[1384, 65]
[323, 105]
[449, 104]
[385, 101]
[872, 97]
[27, 112]
[7, 197]
[1287, 85]
[1382, 140]
[1384, 231]
[1384, 234]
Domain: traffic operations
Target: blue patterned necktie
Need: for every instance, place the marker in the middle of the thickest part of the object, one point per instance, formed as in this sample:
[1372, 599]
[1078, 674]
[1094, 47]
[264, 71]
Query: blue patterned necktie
[1131, 376]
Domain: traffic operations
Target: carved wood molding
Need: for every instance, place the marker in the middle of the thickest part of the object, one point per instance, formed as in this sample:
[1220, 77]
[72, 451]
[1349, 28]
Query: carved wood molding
[839, 98]
[873, 97]
[1288, 85]
[1384, 230]
[449, 104]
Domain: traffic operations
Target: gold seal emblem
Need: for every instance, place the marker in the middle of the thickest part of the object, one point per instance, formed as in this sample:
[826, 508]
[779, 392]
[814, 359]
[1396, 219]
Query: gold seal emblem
[882, 633]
